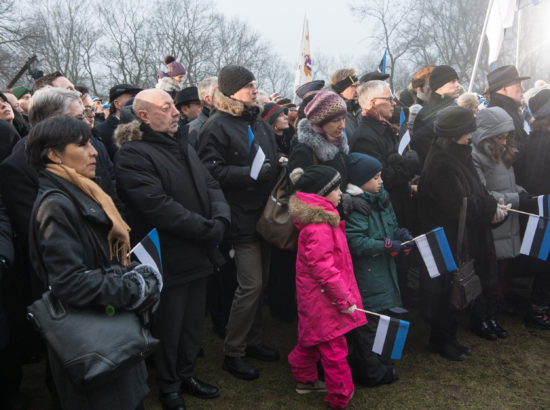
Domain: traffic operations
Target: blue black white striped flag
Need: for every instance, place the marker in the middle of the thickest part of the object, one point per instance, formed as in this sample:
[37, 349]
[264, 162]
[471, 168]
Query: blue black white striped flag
[536, 240]
[390, 337]
[436, 253]
[544, 206]
[148, 250]
[382, 65]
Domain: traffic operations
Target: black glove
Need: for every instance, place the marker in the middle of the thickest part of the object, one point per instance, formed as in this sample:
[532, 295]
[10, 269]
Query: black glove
[404, 235]
[265, 171]
[412, 162]
[527, 203]
[215, 235]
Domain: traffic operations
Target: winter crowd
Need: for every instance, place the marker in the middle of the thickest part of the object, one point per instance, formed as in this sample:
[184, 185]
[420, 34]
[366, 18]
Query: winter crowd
[81, 182]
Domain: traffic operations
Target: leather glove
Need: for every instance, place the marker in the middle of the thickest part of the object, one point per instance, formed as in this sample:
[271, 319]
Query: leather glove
[392, 247]
[350, 310]
[500, 213]
[265, 171]
[215, 235]
[404, 235]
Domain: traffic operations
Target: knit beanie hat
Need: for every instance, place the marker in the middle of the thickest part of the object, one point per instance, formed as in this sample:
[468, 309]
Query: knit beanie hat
[324, 107]
[20, 91]
[441, 75]
[539, 104]
[454, 122]
[316, 179]
[272, 111]
[174, 68]
[232, 78]
[362, 168]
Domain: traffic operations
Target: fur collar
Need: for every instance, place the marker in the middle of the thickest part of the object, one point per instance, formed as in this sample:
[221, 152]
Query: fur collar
[324, 151]
[128, 132]
[310, 214]
[228, 105]
[168, 84]
[354, 190]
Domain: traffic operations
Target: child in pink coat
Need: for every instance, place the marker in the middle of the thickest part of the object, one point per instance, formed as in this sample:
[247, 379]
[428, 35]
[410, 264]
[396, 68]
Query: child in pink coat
[326, 290]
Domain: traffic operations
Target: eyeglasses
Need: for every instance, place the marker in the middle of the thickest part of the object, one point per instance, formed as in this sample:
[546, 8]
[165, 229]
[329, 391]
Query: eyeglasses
[90, 111]
[388, 99]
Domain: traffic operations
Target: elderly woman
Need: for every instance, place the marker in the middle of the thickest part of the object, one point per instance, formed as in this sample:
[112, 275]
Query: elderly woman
[79, 245]
[493, 158]
[447, 177]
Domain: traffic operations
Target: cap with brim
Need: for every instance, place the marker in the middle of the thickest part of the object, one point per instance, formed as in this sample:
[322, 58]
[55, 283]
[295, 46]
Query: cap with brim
[187, 96]
[315, 85]
[272, 111]
[373, 75]
[503, 76]
[120, 89]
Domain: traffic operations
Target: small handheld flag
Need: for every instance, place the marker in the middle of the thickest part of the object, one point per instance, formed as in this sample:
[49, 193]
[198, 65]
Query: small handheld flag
[544, 206]
[390, 337]
[148, 250]
[436, 253]
[536, 240]
[382, 65]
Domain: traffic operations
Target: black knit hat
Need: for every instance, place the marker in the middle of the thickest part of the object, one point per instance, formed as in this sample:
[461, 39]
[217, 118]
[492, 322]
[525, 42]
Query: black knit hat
[441, 75]
[362, 168]
[539, 104]
[316, 179]
[186, 96]
[454, 122]
[232, 78]
[272, 111]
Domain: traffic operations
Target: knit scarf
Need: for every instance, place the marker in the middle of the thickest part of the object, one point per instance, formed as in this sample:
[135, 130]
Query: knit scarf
[118, 237]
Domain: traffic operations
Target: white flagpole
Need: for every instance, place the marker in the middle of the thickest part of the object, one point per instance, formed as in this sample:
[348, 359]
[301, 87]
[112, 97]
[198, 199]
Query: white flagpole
[517, 38]
[478, 55]
[300, 62]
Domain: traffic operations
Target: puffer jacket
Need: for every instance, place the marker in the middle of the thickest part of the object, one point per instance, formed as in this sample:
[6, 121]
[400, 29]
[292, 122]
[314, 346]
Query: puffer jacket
[374, 269]
[325, 284]
[224, 150]
[499, 179]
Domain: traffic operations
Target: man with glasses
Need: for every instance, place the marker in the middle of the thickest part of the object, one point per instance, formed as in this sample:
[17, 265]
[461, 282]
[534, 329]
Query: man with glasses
[344, 82]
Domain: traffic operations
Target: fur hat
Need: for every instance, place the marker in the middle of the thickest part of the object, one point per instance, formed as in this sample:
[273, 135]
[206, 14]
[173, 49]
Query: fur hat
[232, 78]
[441, 75]
[272, 111]
[362, 168]
[324, 107]
[316, 179]
[174, 68]
[539, 104]
[454, 122]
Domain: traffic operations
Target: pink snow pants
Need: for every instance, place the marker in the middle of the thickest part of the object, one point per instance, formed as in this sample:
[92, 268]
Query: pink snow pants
[303, 363]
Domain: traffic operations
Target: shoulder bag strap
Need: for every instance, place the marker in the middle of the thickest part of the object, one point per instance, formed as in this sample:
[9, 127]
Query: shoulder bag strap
[461, 230]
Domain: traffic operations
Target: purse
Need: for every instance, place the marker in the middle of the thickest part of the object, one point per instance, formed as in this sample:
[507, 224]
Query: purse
[92, 345]
[275, 224]
[465, 284]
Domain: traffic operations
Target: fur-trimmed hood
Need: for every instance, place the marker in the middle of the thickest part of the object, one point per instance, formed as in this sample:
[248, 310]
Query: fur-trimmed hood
[229, 105]
[312, 209]
[168, 84]
[128, 132]
[323, 149]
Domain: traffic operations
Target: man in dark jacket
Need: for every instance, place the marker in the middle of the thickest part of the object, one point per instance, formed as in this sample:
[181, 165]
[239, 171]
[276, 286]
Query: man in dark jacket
[165, 186]
[505, 91]
[118, 96]
[344, 82]
[376, 137]
[445, 89]
[230, 141]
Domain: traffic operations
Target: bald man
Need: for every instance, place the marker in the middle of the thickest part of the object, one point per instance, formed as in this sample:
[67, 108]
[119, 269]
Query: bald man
[165, 186]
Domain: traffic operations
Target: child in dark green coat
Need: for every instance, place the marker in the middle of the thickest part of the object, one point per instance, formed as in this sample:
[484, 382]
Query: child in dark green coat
[374, 240]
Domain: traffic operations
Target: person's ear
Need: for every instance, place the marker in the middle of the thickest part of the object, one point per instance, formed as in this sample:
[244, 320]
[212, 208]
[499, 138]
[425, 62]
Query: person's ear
[54, 156]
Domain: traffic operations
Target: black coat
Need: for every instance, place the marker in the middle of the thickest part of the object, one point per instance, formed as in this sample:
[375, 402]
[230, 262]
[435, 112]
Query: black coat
[69, 250]
[224, 149]
[423, 128]
[164, 185]
[105, 132]
[512, 108]
[378, 139]
[533, 165]
[447, 177]
[8, 138]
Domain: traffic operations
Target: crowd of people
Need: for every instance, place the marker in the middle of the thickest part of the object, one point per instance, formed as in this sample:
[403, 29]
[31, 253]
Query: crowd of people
[82, 182]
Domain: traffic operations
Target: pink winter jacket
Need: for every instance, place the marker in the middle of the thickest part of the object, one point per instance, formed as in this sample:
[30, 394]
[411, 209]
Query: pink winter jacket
[325, 283]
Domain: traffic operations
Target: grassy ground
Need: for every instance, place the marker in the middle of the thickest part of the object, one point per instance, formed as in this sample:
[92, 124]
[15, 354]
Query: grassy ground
[506, 374]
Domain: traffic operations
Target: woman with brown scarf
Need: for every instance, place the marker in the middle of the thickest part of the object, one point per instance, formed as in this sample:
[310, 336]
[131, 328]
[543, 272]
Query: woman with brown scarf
[79, 246]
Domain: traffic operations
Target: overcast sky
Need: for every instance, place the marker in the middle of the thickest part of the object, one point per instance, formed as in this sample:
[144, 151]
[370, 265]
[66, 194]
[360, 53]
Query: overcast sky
[333, 30]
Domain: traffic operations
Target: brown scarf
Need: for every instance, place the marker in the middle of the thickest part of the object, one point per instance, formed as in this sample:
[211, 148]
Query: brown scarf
[118, 237]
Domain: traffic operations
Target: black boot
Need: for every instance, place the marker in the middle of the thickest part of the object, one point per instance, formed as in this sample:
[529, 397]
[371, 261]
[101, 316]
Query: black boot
[483, 330]
[240, 368]
[500, 332]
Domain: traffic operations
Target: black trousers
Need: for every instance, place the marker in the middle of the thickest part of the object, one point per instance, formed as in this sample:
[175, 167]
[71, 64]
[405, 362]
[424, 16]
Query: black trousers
[178, 324]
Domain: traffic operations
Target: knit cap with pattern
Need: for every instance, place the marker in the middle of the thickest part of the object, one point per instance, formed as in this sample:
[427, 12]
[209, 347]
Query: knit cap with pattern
[324, 107]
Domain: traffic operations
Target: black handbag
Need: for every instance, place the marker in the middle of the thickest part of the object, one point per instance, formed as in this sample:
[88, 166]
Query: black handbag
[465, 284]
[93, 345]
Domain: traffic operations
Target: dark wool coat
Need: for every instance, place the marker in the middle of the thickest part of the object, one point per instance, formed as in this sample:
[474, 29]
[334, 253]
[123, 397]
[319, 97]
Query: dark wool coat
[423, 128]
[69, 251]
[533, 164]
[314, 149]
[224, 150]
[105, 132]
[165, 186]
[512, 108]
[447, 177]
[378, 140]
[8, 138]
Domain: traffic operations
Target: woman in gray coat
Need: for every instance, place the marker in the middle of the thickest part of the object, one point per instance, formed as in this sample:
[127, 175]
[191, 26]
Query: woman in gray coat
[493, 157]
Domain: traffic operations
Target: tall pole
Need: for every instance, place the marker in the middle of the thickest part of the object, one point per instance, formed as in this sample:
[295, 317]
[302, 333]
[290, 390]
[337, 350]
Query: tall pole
[478, 54]
[517, 38]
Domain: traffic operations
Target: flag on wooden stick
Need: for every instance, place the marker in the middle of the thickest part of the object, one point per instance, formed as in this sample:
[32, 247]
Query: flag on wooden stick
[544, 206]
[148, 250]
[390, 337]
[536, 240]
[436, 253]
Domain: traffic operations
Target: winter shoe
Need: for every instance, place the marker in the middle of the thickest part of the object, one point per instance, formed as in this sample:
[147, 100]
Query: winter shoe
[316, 386]
[483, 330]
[500, 332]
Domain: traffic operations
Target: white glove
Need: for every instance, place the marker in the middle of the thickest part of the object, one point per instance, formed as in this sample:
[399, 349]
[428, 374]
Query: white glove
[350, 310]
[501, 212]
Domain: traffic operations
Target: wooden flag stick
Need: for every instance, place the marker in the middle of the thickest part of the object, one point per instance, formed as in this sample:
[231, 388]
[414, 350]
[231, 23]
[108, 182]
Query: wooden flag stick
[412, 240]
[368, 311]
[526, 213]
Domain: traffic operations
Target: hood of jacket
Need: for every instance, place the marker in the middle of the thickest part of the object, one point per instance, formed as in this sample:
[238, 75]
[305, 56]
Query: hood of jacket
[324, 150]
[168, 84]
[312, 209]
[136, 130]
[491, 121]
[230, 106]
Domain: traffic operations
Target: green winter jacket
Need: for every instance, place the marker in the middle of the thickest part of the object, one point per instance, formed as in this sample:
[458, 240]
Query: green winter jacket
[374, 269]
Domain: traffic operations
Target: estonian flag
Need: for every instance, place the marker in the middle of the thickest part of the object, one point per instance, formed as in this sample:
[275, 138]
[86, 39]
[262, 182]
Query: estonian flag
[436, 253]
[382, 65]
[148, 250]
[390, 337]
[544, 206]
[536, 240]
